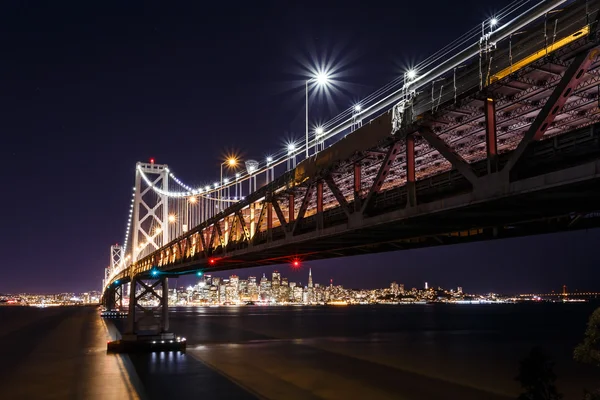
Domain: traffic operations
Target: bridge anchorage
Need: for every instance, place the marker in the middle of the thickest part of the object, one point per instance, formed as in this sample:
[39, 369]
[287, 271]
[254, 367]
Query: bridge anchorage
[500, 139]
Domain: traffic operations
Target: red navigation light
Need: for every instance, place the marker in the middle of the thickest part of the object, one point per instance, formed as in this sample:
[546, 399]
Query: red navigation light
[152, 161]
[295, 264]
[211, 261]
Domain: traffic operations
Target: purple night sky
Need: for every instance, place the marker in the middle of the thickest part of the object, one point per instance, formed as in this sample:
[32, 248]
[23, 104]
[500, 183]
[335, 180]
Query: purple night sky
[89, 90]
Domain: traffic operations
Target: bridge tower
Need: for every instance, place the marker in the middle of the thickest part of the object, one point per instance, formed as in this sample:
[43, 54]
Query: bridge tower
[150, 209]
[116, 256]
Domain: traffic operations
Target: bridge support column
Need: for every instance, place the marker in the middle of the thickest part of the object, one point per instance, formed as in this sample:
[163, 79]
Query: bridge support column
[165, 305]
[357, 186]
[109, 300]
[118, 297]
[320, 205]
[491, 140]
[291, 208]
[269, 220]
[252, 223]
[148, 324]
[411, 190]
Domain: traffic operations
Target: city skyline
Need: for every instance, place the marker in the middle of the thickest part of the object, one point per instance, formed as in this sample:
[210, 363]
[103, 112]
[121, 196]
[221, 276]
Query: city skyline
[418, 266]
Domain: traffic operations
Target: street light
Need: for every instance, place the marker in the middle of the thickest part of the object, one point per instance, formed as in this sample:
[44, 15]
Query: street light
[269, 161]
[322, 79]
[318, 133]
[291, 148]
[231, 162]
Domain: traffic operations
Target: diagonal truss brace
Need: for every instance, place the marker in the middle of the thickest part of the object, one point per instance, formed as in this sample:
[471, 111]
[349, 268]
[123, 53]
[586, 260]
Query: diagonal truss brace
[243, 225]
[261, 218]
[384, 169]
[449, 154]
[279, 213]
[337, 193]
[305, 202]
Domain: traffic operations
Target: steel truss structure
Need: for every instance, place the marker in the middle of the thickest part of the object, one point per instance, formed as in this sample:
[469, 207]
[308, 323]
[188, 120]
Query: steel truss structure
[515, 153]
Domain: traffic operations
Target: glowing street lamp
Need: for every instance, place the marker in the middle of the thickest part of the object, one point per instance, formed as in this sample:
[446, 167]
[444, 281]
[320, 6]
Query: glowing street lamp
[231, 162]
[291, 150]
[318, 135]
[321, 79]
[268, 169]
[411, 74]
[172, 218]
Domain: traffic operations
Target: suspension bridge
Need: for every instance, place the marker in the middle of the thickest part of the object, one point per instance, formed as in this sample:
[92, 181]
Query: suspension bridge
[496, 135]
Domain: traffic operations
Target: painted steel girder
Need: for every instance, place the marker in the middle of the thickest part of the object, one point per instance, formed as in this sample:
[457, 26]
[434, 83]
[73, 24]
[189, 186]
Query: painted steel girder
[572, 77]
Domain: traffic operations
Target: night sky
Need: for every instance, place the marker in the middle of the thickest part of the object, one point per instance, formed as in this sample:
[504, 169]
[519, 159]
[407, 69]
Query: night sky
[87, 91]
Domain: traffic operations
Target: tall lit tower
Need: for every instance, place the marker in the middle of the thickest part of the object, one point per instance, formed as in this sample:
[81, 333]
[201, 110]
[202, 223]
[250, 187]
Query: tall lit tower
[150, 211]
[310, 282]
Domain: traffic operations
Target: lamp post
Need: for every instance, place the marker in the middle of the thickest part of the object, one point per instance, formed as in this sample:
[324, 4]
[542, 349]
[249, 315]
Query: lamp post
[172, 220]
[319, 143]
[321, 79]
[291, 150]
[231, 162]
[268, 169]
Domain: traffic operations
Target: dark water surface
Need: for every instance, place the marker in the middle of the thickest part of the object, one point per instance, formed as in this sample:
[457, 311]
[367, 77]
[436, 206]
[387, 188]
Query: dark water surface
[358, 352]
[411, 352]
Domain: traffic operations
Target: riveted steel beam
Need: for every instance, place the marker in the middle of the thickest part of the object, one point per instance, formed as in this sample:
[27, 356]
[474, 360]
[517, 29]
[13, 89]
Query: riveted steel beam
[573, 75]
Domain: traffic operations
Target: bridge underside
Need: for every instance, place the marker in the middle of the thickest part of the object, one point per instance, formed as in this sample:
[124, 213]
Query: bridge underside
[566, 198]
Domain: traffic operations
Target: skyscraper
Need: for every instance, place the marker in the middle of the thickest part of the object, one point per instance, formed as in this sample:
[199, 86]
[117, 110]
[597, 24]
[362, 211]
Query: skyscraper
[310, 282]
[276, 278]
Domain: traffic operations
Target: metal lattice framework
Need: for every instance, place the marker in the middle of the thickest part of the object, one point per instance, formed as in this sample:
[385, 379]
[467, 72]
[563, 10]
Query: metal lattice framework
[492, 149]
[150, 210]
